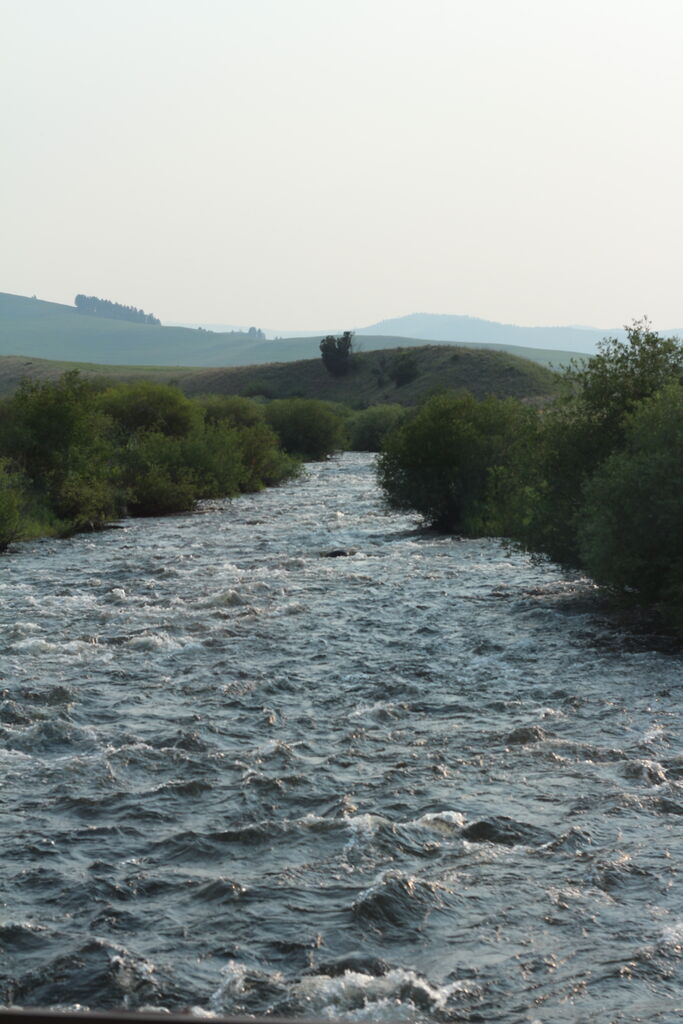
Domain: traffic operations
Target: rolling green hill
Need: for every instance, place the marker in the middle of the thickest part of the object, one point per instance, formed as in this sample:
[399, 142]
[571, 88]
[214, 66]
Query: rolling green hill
[48, 330]
[370, 382]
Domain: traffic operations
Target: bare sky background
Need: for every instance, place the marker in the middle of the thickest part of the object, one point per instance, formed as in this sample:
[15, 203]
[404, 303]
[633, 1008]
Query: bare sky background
[328, 163]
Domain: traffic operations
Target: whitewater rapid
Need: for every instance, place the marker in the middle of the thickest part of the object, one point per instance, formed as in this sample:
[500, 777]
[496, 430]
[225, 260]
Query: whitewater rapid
[427, 781]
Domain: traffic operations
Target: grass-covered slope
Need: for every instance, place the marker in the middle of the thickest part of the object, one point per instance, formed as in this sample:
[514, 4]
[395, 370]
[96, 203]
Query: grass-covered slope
[370, 382]
[48, 330]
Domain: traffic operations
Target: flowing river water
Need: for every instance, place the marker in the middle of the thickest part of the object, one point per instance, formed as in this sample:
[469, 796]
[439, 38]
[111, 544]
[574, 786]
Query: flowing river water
[425, 782]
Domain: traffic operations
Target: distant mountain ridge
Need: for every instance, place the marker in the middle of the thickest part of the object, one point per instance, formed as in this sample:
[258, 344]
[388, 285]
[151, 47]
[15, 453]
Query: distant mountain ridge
[33, 328]
[471, 330]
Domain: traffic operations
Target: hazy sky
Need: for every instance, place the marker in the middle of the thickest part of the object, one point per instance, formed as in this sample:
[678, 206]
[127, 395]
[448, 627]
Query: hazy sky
[328, 163]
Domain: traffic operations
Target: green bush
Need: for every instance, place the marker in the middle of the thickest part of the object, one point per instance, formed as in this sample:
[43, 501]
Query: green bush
[404, 368]
[583, 429]
[445, 463]
[43, 424]
[157, 477]
[307, 428]
[264, 463]
[630, 535]
[144, 405]
[86, 500]
[233, 409]
[368, 428]
[55, 436]
[11, 505]
[73, 458]
[568, 448]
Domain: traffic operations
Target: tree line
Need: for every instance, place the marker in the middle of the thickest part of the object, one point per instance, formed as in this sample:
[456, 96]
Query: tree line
[93, 306]
[592, 482]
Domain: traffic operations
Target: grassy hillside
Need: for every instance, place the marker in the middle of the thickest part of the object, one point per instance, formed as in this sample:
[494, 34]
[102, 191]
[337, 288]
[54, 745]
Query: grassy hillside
[552, 358]
[438, 366]
[14, 369]
[48, 330]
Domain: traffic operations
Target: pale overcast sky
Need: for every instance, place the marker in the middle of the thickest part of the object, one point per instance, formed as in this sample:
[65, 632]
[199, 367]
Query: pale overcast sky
[328, 163]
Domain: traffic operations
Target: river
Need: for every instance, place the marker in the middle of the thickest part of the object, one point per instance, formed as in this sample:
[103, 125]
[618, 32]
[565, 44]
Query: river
[429, 781]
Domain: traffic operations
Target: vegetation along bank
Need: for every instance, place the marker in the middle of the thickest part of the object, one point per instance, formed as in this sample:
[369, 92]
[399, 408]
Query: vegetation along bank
[75, 455]
[590, 479]
[593, 481]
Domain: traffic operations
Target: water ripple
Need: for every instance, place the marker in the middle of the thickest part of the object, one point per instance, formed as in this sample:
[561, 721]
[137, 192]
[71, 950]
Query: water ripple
[429, 781]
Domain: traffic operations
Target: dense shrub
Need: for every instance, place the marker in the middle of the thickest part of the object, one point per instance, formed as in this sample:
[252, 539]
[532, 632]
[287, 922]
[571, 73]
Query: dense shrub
[263, 460]
[583, 429]
[73, 458]
[404, 368]
[157, 477]
[445, 462]
[630, 535]
[57, 439]
[264, 463]
[368, 428]
[233, 409]
[148, 406]
[12, 500]
[594, 482]
[308, 428]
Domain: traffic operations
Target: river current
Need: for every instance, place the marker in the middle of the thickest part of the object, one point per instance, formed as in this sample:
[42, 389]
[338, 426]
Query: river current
[428, 781]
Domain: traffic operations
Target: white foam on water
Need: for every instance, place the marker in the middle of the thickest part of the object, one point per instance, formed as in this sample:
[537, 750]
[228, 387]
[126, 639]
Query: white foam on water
[446, 822]
[9, 754]
[370, 709]
[20, 629]
[672, 935]
[237, 980]
[419, 616]
[399, 991]
[365, 823]
[34, 646]
[292, 608]
[153, 642]
[654, 734]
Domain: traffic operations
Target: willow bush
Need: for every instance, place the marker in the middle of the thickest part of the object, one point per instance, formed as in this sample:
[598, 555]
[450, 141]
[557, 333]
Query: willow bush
[593, 482]
[630, 534]
[446, 462]
[368, 428]
[307, 427]
[74, 456]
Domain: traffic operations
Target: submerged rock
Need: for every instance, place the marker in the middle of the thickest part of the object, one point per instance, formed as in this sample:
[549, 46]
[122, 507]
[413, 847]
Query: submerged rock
[526, 734]
[506, 832]
[339, 553]
[359, 963]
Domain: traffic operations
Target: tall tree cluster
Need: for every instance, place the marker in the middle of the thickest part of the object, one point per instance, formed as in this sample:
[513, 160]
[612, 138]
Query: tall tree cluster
[336, 353]
[94, 306]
